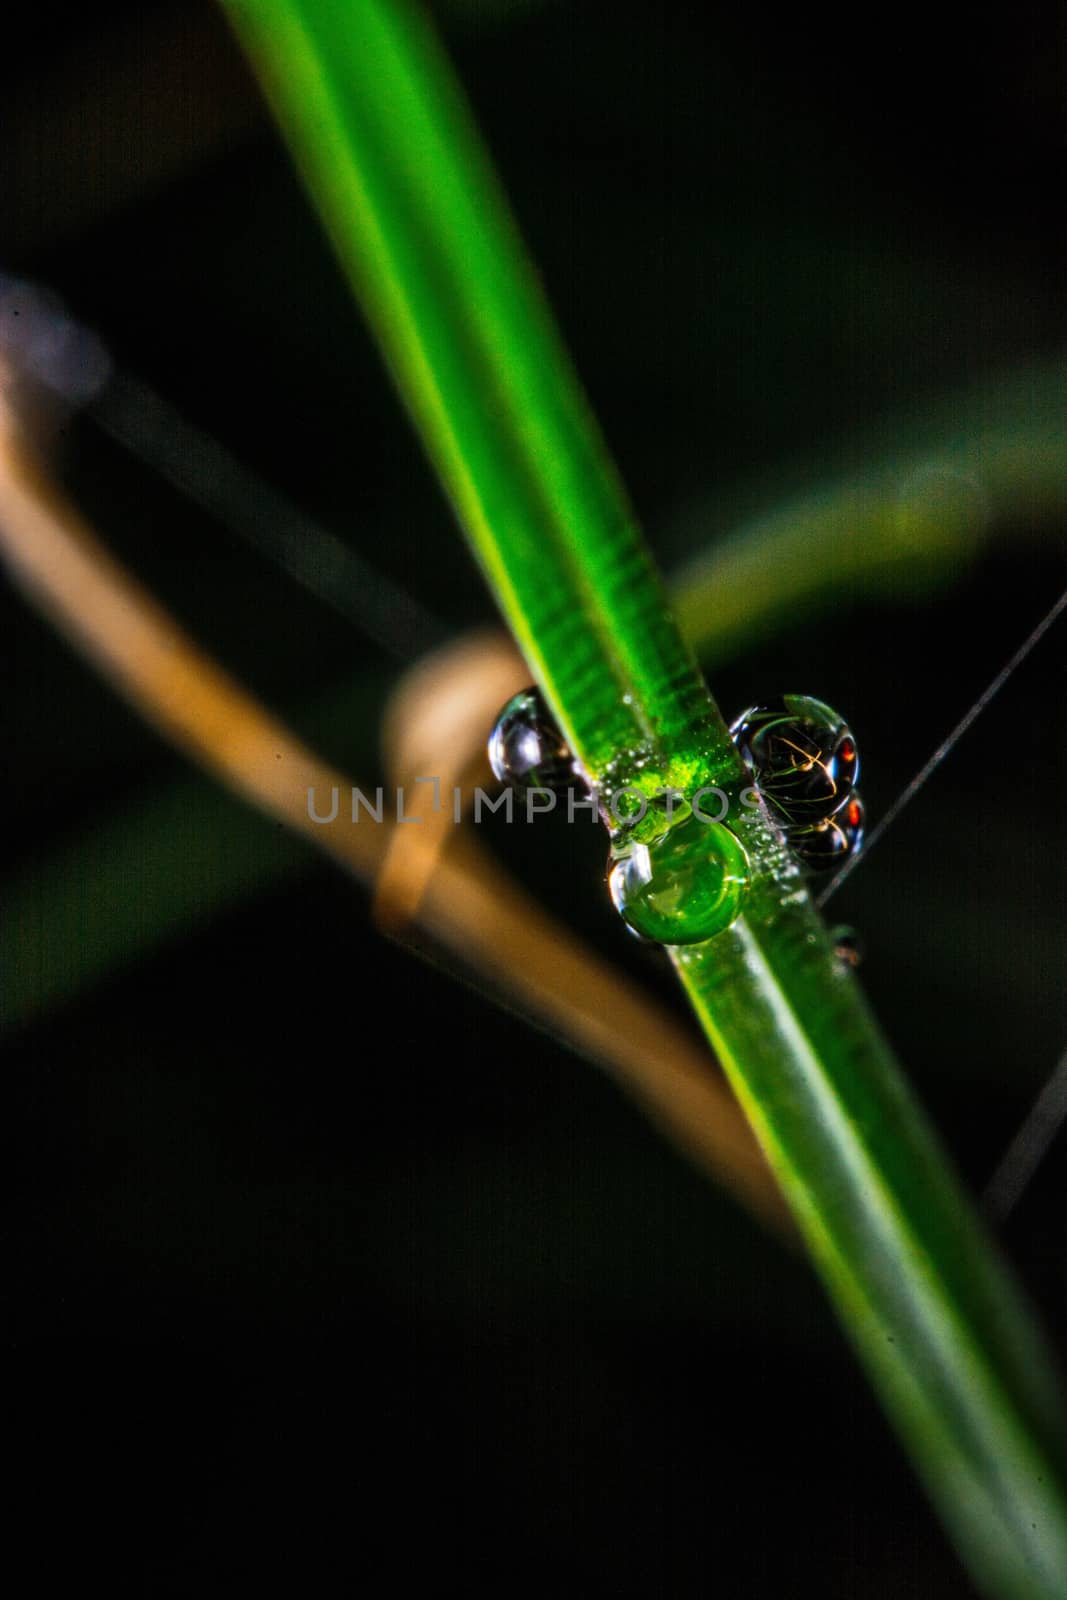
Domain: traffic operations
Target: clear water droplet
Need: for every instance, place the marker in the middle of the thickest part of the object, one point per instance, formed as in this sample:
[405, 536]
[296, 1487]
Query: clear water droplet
[526, 747]
[682, 888]
[831, 842]
[803, 756]
[848, 946]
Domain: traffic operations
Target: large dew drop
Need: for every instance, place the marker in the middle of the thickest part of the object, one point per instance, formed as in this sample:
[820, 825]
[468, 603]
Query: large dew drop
[828, 845]
[803, 756]
[684, 887]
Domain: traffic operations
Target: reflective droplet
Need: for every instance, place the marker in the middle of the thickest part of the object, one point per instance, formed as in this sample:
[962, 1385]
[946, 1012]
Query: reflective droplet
[527, 748]
[831, 842]
[803, 756]
[684, 887]
[848, 946]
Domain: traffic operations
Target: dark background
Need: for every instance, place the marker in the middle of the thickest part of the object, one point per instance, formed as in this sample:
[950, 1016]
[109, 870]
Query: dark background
[318, 1268]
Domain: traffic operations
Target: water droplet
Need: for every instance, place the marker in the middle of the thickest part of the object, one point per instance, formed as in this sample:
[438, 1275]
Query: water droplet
[832, 841]
[848, 946]
[682, 888]
[803, 756]
[526, 747]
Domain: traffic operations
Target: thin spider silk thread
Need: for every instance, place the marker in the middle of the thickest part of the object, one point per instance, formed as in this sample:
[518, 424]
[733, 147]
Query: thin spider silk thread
[1043, 1121]
[1030, 1145]
[926, 772]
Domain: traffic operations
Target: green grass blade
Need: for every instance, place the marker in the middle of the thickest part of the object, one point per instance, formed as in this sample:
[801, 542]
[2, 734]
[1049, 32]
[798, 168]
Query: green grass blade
[389, 153]
[418, 219]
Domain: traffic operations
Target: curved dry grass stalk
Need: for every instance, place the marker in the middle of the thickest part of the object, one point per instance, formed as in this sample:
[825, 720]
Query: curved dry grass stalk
[68, 575]
[463, 900]
[434, 736]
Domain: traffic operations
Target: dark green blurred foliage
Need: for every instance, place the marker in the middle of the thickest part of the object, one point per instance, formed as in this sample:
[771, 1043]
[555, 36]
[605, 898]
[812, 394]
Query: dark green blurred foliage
[305, 1238]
